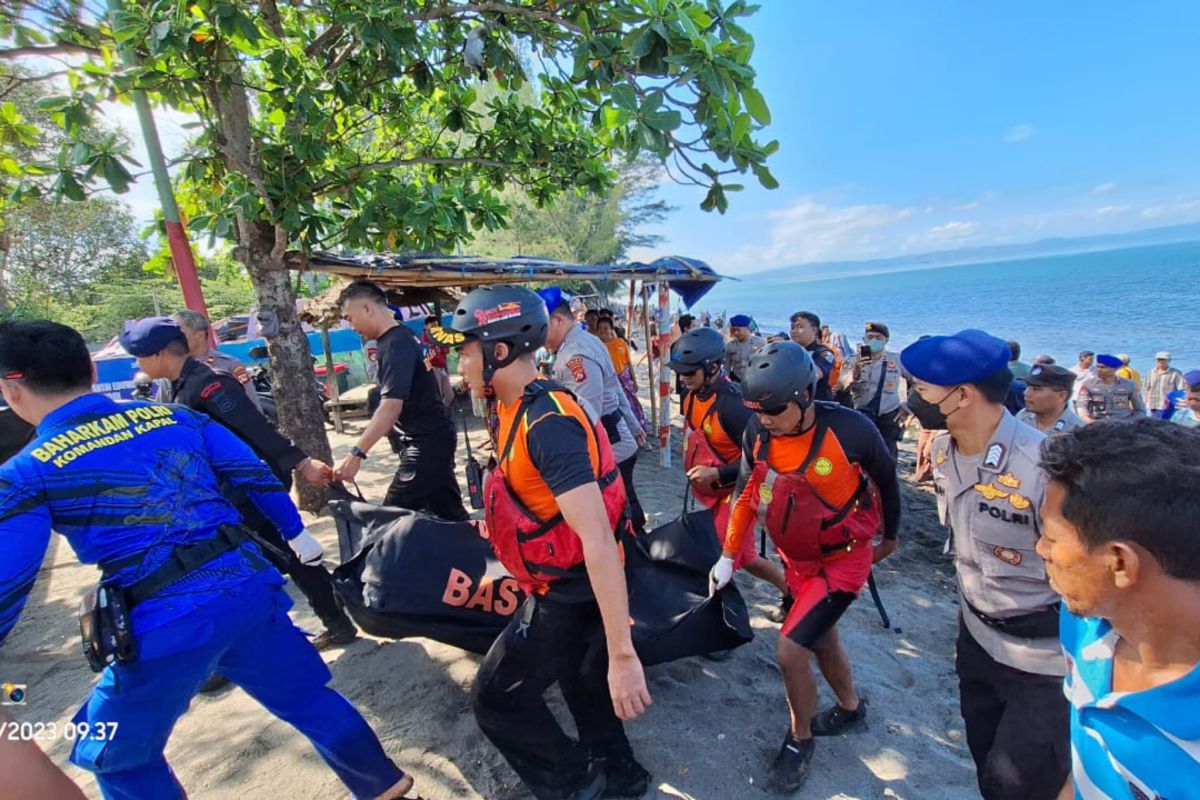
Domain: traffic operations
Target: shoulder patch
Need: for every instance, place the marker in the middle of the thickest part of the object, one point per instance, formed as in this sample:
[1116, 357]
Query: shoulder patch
[577, 369]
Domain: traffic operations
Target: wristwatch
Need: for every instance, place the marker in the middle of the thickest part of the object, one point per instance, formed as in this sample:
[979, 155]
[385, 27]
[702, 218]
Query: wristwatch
[359, 454]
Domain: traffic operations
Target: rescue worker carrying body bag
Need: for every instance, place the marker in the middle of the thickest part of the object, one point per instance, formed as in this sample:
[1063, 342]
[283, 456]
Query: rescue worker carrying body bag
[553, 519]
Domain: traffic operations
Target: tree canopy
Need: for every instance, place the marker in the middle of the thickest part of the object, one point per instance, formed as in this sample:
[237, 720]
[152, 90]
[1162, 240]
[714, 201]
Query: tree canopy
[353, 122]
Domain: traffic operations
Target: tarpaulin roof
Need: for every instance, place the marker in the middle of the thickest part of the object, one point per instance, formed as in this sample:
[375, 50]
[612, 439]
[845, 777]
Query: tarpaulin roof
[690, 278]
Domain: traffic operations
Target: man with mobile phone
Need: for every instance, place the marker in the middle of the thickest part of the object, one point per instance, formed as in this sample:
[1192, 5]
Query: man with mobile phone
[875, 389]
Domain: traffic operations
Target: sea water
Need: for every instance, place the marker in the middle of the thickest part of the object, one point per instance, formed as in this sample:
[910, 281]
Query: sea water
[1137, 301]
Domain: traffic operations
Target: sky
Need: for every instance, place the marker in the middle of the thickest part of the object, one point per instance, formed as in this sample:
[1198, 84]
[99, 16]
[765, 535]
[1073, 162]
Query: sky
[916, 126]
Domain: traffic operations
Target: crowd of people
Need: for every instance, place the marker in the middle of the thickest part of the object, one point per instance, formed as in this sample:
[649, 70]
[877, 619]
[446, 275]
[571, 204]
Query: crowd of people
[1068, 495]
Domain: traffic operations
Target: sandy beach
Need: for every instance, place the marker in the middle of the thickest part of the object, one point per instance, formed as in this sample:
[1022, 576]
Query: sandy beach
[709, 735]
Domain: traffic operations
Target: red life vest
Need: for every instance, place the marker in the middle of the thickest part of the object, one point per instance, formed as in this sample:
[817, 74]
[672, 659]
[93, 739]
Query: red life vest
[535, 551]
[701, 453]
[804, 528]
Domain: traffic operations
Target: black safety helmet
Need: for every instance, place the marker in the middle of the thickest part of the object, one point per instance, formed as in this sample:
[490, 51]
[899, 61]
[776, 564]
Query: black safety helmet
[511, 314]
[698, 348]
[779, 373]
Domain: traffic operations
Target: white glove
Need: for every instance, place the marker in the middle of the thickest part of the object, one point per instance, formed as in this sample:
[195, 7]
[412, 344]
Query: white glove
[720, 575]
[307, 549]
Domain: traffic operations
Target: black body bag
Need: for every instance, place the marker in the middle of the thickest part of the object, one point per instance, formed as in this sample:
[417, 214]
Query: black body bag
[410, 574]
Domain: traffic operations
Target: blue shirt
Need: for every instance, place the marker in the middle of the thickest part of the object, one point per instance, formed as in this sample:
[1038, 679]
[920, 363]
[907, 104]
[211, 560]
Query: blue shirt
[1185, 417]
[1127, 745]
[123, 479]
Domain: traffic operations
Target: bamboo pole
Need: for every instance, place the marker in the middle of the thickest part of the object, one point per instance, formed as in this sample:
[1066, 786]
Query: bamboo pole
[649, 360]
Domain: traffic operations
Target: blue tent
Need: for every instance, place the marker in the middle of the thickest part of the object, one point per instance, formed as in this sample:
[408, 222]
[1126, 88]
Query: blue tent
[690, 278]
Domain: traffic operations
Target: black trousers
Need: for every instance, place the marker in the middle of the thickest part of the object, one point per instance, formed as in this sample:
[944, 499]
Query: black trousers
[889, 428]
[313, 581]
[425, 479]
[636, 515]
[549, 642]
[1018, 726]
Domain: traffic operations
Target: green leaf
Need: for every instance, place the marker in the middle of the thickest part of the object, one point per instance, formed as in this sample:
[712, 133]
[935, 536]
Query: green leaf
[56, 103]
[67, 186]
[741, 127]
[764, 176]
[117, 176]
[662, 119]
[623, 95]
[756, 104]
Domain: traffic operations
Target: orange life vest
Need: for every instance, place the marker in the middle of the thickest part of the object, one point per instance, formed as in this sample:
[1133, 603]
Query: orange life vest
[539, 551]
[804, 527]
[708, 445]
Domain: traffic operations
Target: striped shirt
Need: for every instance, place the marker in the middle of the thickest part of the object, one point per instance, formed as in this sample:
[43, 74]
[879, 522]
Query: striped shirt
[1127, 745]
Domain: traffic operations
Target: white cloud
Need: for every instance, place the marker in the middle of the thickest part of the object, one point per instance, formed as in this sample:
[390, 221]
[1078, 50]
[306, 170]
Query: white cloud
[810, 230]
[955, 230]
[1018, 133]
[1103, 188]
[817, 229]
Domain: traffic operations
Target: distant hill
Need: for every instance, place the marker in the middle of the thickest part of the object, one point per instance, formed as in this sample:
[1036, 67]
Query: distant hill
[980, 255]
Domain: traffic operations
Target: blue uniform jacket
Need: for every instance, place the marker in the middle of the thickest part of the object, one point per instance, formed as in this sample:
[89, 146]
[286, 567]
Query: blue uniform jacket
[119, 479]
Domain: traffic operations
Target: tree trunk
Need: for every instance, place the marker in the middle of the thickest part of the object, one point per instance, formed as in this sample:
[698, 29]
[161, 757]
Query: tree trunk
[261, 247]
[293, 380]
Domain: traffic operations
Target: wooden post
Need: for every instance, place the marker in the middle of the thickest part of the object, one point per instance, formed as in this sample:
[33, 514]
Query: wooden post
[664, 374]
[629, 316]
[335, 396]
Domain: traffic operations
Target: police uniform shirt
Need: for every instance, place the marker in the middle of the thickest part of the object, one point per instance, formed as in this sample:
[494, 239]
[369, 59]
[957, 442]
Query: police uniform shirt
[1066, 422]
[584, 367]
[990, 503]
[404, 376]
[1101, 400]
[219, 395]
[864, 390]
[737, 354]
[223, 362]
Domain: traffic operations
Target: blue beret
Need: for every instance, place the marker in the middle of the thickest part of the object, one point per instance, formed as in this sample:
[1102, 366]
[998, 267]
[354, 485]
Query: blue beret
[149, 336]
[739, 321]
[1192, 378]
[554, 298]
[1109, 361]
[965, 357]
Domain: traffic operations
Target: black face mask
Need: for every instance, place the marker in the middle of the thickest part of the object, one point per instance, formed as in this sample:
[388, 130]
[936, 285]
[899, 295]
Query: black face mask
[930, 415]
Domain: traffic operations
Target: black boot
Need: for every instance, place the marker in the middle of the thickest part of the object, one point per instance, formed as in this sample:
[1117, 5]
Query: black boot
[836, 720]
[790, 769]
[338, 637]
[624, 776]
